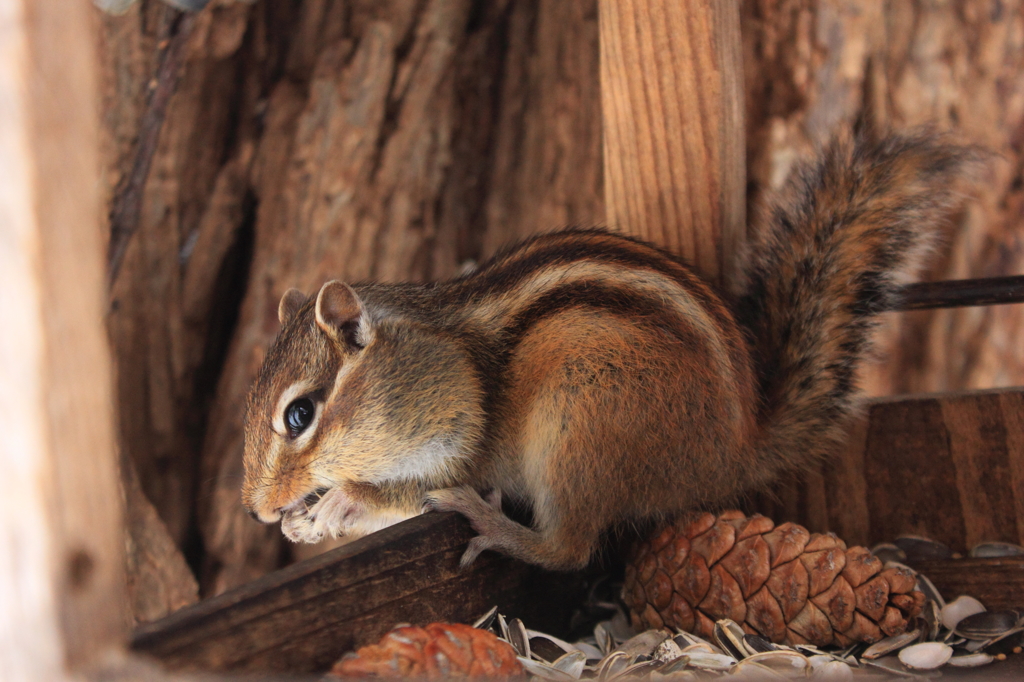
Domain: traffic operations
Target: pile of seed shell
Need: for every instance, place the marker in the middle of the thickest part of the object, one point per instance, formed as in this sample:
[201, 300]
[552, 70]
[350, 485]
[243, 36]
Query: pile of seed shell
[961, 633]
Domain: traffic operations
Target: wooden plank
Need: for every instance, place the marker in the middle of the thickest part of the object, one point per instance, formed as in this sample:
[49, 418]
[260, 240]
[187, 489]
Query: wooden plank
[957, 293]
[948, 466]
[996, 583]
[303, 617]
[61, 577]
[671, 95]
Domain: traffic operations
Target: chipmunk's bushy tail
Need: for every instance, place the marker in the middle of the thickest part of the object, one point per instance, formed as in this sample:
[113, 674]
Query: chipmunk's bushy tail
[855, 227]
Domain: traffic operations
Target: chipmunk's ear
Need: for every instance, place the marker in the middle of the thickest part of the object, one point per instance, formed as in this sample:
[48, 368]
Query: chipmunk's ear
[339, 311]
[289, 305]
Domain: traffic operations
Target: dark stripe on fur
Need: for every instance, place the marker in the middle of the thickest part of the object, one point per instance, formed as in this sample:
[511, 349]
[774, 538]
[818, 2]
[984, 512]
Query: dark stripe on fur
[507, 270]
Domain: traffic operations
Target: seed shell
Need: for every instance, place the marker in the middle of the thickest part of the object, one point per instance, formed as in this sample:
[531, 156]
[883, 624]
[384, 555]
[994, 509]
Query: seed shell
[996, 550]
[958, 609]
[926, 655]
[987, 624]
[571, 664]
[971, 660]
[890, 645]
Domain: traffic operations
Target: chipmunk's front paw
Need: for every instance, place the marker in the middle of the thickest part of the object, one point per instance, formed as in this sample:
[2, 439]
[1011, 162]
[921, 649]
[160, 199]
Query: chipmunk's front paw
[338, 513]
[484, 516]
[334, 514]
[298, 526]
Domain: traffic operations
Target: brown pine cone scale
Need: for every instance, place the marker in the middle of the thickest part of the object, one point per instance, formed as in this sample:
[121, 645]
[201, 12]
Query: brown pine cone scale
[781, 582]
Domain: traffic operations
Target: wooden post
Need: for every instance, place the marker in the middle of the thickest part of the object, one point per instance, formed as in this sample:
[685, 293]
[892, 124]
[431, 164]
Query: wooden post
[672, 99]
[61, 541]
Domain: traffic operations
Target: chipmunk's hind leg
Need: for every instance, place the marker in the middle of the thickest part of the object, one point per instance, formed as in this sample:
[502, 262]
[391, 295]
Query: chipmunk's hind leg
[553, 548]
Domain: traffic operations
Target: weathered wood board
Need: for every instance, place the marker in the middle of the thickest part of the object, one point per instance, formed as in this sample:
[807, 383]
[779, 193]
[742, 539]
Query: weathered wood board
[947, 466]
[996, 583]
[304, 617]
[61, 573]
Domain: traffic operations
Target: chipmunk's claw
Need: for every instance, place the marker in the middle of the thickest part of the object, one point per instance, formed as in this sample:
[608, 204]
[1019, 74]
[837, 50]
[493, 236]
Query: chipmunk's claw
[484, 516]
[476, 546]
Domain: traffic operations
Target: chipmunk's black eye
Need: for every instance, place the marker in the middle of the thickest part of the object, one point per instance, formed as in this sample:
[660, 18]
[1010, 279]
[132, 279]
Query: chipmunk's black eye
[298, 415]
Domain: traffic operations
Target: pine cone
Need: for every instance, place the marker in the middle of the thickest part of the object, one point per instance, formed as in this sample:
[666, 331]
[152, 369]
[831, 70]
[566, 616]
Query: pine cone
[783, 583]
[439, 651]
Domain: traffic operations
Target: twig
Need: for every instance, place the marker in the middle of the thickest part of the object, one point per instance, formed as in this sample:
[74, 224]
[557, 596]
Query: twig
[127, 205]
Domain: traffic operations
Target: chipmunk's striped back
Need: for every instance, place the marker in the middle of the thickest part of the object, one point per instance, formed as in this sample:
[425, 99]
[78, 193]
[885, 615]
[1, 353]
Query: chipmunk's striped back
[605, 272]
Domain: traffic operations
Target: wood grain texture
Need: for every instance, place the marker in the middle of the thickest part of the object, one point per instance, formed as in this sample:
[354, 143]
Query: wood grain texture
[996, 583]
[671, 96]
[62, 576]
[176, 295]
[545, 171]
[946, 466]
[304, 617]
[159, 580]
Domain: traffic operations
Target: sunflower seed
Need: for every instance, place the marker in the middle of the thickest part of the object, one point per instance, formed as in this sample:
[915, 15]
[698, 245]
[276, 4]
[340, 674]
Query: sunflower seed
[886, 551]
[755, 671]
[995, 550]
[592, 652]
[705, 661]
[571, 664]
[687, 640]
[643, 644]
[787, 663]
[958, 609]
[890, 664]
[987, 624]
[544, 671]
[889, 645]
[612, 664]
[926, 586]
[518, 638]
[675, 667]
[667, 651]
[638, 669]
[829, 670]
[603, 639]
[926, 655]
[758, 644]
[729, 636]
[485, 621]
[970, 660]
[916, 548]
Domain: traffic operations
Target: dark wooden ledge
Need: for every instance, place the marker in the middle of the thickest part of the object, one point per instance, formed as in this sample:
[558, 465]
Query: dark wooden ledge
[304, 617]
[996, 583]
[958, 293]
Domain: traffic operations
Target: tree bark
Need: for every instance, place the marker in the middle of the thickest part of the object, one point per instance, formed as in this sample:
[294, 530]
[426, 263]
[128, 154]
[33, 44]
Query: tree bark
[813, 68]
[410, 138]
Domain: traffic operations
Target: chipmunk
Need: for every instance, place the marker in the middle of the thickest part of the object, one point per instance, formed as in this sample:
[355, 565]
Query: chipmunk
[591, 375]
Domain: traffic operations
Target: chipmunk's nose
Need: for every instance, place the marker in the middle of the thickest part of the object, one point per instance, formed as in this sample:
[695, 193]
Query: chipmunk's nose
[263, 516]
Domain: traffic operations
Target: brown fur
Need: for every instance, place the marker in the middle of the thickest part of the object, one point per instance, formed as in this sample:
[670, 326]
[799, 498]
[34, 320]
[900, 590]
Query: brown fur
[590, 375]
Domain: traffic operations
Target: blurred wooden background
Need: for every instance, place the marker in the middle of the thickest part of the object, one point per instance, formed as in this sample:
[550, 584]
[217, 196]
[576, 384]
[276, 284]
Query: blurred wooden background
[403, 139]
